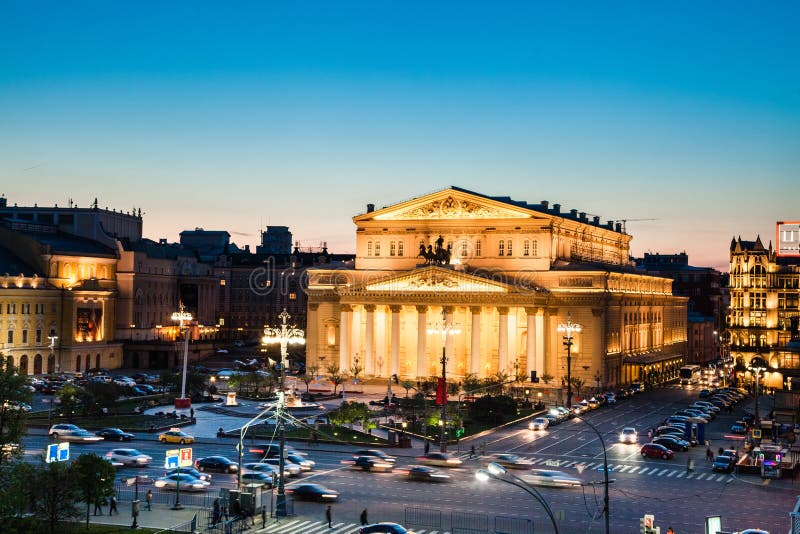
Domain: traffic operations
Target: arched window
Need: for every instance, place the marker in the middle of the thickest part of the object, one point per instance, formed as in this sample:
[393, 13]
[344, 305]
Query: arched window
[78, 362]
[23, 365]
[37, 364]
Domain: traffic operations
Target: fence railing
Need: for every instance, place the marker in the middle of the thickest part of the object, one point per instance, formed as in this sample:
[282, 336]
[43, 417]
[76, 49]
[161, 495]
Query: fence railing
[467, 522]
[203, 500]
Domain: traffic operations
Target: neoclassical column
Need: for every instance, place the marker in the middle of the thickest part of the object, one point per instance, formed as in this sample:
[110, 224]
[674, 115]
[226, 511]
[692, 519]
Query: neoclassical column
[539, 349]
[355, 337]
[475, 346]
[394, 364]
[502, 347]
[369, 341]
[345, 312]
[530, 343]
[449, 339]
[312, 334]
[422, 333]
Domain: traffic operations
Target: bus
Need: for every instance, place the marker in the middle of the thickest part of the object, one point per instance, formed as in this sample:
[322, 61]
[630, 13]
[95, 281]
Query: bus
[690, 374]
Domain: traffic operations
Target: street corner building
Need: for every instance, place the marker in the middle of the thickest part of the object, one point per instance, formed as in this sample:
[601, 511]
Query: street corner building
[508, 273]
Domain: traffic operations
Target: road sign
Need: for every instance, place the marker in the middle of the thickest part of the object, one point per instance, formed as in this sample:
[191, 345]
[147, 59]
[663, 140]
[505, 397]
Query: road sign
[756, 433]
[172, 458]
[186, 457]
[58, 452]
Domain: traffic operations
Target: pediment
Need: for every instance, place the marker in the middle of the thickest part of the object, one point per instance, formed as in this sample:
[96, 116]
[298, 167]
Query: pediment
[436, 279]
[449, 204]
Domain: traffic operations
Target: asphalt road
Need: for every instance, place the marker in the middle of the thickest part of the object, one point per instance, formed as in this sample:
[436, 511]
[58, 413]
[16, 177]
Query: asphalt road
[659, 487]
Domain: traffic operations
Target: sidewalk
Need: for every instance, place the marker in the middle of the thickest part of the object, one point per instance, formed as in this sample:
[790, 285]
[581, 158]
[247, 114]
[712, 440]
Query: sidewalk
[161, 517]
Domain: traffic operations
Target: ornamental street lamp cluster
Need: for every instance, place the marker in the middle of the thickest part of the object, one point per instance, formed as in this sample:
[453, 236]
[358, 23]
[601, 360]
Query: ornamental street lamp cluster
[757, 365]
[445, 328]
[183, 317]
[284, 334]
[568, 328]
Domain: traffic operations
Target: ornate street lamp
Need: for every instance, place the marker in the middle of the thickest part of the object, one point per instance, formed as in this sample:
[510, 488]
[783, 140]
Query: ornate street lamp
[498, 472]
[445, 329]
[283, 334]
[757, 365]
[568, 328]
[183, 317]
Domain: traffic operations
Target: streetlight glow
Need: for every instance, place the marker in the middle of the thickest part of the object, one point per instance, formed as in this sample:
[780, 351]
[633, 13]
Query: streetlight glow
[444, 328]
[568, 328]
[182, 317]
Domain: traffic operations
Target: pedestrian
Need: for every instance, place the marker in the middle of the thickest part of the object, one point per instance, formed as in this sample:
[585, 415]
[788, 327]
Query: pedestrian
[191, 413]
[649, 435]
[721, 450]
[113, 506]
[690, 465]
[427, 446]
[149, 499]
[483, 448]
[472, 451]
[709, 454]
[670, 531]
[328, 516]
[364, 517]
[217, 513]
[98, 507]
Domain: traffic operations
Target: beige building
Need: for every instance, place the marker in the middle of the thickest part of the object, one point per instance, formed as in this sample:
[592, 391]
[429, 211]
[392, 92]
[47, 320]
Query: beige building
[505, 274]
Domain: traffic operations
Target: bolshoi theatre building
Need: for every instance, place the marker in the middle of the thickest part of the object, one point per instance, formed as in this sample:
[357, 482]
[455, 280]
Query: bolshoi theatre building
[502, 275]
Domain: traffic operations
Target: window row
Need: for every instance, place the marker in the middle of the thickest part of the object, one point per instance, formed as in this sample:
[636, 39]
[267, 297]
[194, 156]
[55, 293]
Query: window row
[24, 335]
[25, 308]
[530, 247]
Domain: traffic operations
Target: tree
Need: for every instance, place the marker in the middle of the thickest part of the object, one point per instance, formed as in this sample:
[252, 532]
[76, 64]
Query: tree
[15, 395]
[356, 369]
[546, 378]
[306, 378]
[93, 477]
[55, 495]
[493, 409]
[471, 383]
[577, 384]
[69, 397]
[335, 375]
[18, 492]
[195, 382]
[407, 385]
[95, 396]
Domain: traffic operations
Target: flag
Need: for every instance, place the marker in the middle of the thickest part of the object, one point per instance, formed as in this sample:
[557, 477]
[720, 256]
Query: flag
[441, 392]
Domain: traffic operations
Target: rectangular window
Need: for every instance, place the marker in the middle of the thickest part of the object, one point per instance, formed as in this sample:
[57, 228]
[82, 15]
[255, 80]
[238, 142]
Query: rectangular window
[40, 309]
[534, 248]
[369, 248]
[38, 336]
[526, 248]
[11, 308]
[464, 249]
[377, 248]
[478, 248]
[26, 309]
[392, 248]
[502, 250]
[11, 337]
[292, 296]
[508, 253]
[399, 248]
[24, 336]
[53, 307]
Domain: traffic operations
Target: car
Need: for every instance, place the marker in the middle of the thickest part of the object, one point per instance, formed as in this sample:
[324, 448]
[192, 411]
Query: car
[427, 474]
[654, 450]
[512, 461]
[578, 409]
[546, 477]
[292, 469]
[304, 463]
[190, 471]
[114, 434]
[270, 450]
[707, 406]
[680, 419]
[704, 393]
[752, 531]
[313, 492]
[175, 435]
[81, 436]
[611, 399]
[257, 477]
[552, 419]
[187, 482]
[220, 464]
[62, 429]
[739, 427]
[384, 528]
[372, 463]
[723, 463]
[594, 403]
[441, 459]
[129, 457]
[375, 452]
[628, 435]
[748, 418]
[673, 443]
[540, 423]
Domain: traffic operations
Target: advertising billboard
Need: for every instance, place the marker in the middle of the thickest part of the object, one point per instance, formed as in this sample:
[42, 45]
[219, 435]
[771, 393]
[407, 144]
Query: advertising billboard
[88, 323]
[788, 238]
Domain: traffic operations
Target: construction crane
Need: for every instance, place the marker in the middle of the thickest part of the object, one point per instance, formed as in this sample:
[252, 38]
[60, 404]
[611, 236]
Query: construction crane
[623, 221]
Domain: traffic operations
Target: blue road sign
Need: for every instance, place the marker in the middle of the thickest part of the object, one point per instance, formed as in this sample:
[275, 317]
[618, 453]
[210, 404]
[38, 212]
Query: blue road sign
[172, 459]
[58, 452]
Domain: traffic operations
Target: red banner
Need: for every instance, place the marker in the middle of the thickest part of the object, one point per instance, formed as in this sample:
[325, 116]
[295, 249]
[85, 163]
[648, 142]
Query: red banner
[441, 392]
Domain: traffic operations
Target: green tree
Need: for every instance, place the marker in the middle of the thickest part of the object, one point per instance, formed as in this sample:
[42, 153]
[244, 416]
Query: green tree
[471, 383]
[577, 385]
[493, 409]
[356, 369]
[335, 375]
[15, 394]
[18, 491]
[55, 497]
[95, 396]
[407, 385]
[69, 397]
[93, 477]
[546, 378]
[195, 382]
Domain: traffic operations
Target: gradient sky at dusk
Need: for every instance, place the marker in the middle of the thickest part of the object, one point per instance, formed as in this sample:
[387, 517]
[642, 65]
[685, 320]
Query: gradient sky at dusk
[234, 115]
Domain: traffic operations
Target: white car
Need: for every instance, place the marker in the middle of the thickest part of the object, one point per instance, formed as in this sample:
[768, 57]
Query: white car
[544, 477]
[69, 432]
[628, 435]
[540, 423]
[512, 461]
[129, 457]
[187, 482]
[440, 459]
[62, 429]
[288, 467]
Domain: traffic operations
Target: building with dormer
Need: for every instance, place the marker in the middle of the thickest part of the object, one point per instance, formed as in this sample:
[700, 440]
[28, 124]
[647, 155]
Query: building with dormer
[508, 273]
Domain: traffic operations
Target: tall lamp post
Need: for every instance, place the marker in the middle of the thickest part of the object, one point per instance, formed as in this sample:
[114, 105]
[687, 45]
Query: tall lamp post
[52, 348]
[283, 334]
[567, 329]
[183, 317]
[498, 472]
[757, 365]
[606, 503]
[444, 328]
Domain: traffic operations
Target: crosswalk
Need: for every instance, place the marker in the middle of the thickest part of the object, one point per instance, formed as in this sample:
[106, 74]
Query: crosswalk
[304, 526]
[646, 470]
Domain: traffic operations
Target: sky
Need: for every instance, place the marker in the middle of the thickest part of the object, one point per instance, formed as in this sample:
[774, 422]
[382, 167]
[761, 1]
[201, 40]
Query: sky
[235, 115]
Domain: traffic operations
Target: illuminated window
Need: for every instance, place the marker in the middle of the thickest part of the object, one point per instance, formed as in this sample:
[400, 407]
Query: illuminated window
[478, 247]
[392, 248]
[377, 248]
[222, 282]
[369, 248]
[526, 248]
[502, 251]
[534, 248]
[26, 309]
[509, 248]
[292, 296]
[399, 248]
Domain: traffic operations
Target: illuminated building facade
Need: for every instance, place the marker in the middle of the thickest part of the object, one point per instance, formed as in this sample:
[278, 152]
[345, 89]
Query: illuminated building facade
[764, 311]
[508, 273]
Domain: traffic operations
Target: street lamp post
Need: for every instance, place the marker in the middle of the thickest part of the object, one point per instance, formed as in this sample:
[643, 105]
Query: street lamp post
[183, 317]
[757, 365]
[568, 328]
[52, 348]
[445, 329]
[498, 472]
[606, 503]
[284, 335]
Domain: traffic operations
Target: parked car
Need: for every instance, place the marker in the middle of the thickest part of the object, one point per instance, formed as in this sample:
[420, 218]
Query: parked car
[540, 423]
[654, 450]
[552, 419]
[187, 482]
[129, 457]
[114, 434]
[384, 528]
[175, 435]
[672, 443]
[313, 492]
[739, 427]
[427, 474]
[546, 477]
[441, 459]
[62, 429]
[704, 393]
[220, 464]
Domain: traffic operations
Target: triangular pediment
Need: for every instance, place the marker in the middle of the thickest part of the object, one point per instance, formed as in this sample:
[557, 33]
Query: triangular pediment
[451, 203]
[436, 279]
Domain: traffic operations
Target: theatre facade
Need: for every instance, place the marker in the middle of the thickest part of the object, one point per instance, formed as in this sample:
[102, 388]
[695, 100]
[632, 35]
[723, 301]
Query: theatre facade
[502, 275]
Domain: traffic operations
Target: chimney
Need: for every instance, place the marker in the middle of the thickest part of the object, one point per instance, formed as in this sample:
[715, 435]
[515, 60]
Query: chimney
[583, 215]
[573, 213]
[596, 220]
[610, 225]
[618, 227]
[370, 208]
[545, 203]
[556, 208]
[247, 248]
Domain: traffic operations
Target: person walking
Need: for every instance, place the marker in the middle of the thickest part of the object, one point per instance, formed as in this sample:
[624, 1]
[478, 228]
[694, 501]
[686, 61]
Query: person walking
[364, 517]
[709, 454]
[328, 516]
[149, 499]
[472, 451]
[427, 446]
[98, 507]
[217, 514]
[113, 506]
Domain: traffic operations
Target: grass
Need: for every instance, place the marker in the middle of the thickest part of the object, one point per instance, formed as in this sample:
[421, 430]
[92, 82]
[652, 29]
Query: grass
[324, 433]
[126, 422]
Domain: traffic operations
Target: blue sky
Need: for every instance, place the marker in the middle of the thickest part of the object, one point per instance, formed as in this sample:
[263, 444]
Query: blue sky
[236, 115]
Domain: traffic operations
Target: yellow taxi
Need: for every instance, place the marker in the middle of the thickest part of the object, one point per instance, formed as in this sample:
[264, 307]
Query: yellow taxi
[175, 435]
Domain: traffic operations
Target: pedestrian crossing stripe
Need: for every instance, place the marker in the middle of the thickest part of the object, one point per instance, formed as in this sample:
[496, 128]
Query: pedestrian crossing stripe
[305, 526]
